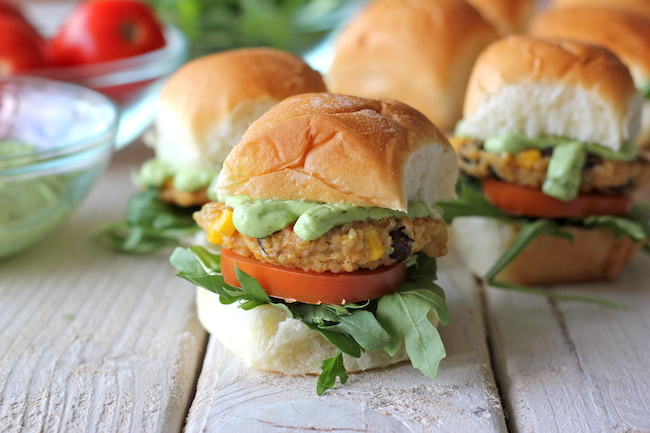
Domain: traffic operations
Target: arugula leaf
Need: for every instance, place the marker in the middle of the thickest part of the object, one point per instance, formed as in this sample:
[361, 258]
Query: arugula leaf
[150, 225]
[404, 315]
[191, 269]
[331, 369]
[363, 326]
[469, 202]
[253, 292]
[343, 342]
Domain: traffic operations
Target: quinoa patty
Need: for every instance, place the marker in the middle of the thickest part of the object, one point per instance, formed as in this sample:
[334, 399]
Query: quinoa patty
[169, 194]
[344, 248]
[528, 168]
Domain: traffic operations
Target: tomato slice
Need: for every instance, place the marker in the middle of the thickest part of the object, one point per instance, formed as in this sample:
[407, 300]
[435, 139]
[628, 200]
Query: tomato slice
[519, 200]
[314, 287]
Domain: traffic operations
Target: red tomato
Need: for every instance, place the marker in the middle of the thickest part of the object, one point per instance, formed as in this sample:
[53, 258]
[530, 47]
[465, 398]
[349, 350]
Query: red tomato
[11, 10]
[519, 200]
[314, 287]
[21, 48]
[103, 30]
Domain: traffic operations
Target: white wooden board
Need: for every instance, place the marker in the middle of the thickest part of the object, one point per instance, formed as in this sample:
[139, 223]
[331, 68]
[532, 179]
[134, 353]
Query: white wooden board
[231, 397]
[92, 340]
[572, 366]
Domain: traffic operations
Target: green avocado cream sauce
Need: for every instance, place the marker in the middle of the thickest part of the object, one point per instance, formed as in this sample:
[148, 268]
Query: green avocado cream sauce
[155, 172]
[261, 218]
[565, 166]
[30, 206]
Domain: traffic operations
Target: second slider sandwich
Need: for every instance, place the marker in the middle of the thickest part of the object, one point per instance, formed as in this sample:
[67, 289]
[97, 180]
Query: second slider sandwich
[548, 133]
[323, 202]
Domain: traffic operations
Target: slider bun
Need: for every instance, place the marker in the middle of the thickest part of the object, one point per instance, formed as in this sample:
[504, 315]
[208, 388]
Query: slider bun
[335, 148]
[540, 87]
[507, 16]
[638, 7]
[416, 51]
[627, 35]
[594, 254]
[205, 107]
[267, 339]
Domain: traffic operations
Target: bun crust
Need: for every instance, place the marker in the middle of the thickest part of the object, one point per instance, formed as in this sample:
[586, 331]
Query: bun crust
[417, 51]
[638, 7]
[507, 16]
[594, 254]
[205, 107]
[335, 148]
[537, 87]
[624, 33]
[267, 339]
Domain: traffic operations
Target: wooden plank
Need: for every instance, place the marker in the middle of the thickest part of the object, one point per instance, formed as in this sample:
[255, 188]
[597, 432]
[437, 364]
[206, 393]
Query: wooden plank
[572, 366]
[231, 397]
[92, 340]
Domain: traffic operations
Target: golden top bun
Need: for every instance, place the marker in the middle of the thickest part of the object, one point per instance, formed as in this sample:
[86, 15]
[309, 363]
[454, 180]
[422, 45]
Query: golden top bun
[206, 106]
[627, 35]
[416, 51]
[538, 87]
[638, 7]
[507, 16]
[335, 148]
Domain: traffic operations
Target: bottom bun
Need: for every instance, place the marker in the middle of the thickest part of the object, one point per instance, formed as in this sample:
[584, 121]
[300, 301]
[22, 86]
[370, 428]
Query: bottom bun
[594, 254]
[267, 339]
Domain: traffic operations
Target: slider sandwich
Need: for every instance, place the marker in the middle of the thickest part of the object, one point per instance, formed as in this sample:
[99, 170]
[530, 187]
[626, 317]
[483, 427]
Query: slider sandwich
[328, 227]
[627, 35]
[203, 111]
[419, 52]
[547, 140]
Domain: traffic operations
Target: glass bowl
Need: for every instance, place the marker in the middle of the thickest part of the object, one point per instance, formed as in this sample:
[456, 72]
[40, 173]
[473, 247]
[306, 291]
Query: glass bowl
[133, 83]
[55, 140]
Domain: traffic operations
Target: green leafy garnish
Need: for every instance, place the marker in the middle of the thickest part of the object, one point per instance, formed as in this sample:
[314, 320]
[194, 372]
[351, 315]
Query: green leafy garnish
[378, 324]
[217, 25]
[150, 225]
[332, 368]
[645, 91]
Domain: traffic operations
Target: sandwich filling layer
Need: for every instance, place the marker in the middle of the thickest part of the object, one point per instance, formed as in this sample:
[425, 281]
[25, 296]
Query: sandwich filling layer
[357, 244]
[594, 170]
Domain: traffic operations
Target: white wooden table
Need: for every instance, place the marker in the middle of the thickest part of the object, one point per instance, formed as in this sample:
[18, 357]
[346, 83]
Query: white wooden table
[96, 341]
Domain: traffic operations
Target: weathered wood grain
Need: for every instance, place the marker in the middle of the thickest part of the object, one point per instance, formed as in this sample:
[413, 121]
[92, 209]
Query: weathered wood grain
[571, 366]
[231, 397]
[92, 340]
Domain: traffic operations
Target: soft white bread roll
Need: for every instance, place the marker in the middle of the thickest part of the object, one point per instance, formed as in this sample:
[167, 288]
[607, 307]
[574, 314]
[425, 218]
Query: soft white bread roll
[507, 16]
[336, 148]
[538, 87]
[417, 51]
[627, 35]
[594, 254]
[267, 339]
[206, 106]
[639, 7]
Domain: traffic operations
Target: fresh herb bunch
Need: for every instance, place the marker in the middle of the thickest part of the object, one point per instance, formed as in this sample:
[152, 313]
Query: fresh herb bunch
[379, 324]
[216, 25]
[472, 202]
[150, 225]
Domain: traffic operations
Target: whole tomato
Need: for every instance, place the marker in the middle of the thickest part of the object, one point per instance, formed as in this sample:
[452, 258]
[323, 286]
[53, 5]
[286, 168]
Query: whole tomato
[103, 30]
[10, 9]
[21, 47]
